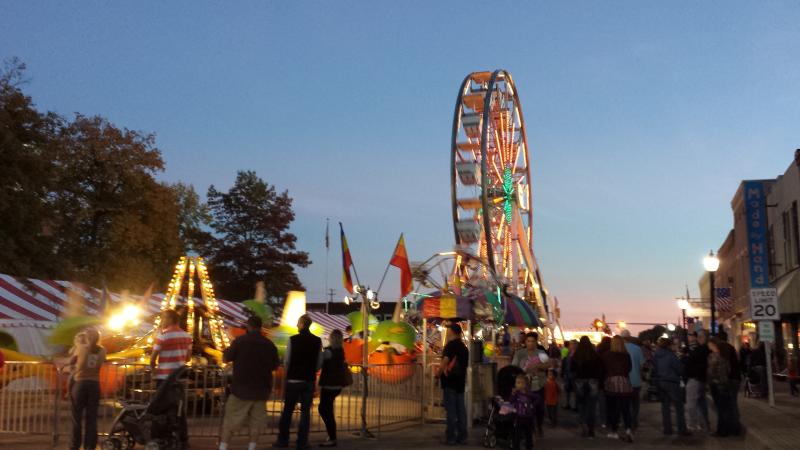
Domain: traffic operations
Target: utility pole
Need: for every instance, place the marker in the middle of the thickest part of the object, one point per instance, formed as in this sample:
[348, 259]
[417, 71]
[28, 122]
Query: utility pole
[331, 293]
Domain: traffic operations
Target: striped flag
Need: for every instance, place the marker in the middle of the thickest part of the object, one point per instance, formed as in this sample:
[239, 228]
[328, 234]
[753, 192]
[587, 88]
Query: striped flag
[347, 262]
[400, 260]
[724, 299]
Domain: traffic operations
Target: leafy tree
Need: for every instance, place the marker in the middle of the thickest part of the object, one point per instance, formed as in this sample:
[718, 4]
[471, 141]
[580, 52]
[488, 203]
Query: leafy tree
[115, 222]
[193, 217]
[26, 174]
[251, 239]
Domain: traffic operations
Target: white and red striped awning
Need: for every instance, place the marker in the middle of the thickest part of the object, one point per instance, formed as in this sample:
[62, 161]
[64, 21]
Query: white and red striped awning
[47, 300]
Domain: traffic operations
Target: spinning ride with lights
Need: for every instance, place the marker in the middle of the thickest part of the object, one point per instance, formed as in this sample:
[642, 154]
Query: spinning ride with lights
[491, 187]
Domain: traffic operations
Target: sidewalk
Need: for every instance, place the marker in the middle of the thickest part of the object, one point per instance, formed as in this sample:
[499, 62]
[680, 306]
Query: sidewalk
[777, 427]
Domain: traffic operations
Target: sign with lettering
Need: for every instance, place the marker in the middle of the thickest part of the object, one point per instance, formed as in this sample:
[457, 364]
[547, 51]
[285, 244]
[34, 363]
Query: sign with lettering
[764, 304]
[755, 208]
[766, 331]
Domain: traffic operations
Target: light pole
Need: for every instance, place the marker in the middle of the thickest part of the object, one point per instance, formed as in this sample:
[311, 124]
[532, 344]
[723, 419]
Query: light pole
[711, 264]
[369, 299]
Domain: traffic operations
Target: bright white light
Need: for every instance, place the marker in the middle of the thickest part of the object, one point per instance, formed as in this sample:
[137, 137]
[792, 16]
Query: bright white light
[131, 311]
[116, 322]
[671, 327]
[665, 335]
[683, 304]
[347, 300]
[711, 262]
[294, 307]
[370, 294]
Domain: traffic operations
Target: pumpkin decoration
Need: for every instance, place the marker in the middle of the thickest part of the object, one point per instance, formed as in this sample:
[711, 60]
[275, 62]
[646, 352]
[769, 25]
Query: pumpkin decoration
[392, 367]
[353, 351]
[112, 376]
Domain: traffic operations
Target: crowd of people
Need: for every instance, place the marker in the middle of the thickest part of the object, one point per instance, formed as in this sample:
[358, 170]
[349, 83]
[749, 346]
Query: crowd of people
[603, 384]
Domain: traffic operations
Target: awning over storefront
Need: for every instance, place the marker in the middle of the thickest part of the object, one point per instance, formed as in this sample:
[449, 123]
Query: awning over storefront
[789, 293]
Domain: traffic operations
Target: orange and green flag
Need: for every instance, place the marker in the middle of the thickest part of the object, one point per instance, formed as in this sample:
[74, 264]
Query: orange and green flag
[347, 262]
[400, 260]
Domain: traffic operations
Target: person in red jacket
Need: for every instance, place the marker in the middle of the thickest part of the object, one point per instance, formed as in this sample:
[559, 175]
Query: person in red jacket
[551, 391]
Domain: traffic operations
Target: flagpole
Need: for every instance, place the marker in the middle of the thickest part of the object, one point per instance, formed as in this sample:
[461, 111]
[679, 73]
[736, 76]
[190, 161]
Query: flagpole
[327, 257]
[389, 264]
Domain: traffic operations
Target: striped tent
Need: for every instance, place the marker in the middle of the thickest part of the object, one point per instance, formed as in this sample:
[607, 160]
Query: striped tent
[29, 299]
[47, 300]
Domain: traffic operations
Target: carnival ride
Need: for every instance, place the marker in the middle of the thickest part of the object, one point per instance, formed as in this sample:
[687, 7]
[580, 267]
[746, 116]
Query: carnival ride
[491, 188]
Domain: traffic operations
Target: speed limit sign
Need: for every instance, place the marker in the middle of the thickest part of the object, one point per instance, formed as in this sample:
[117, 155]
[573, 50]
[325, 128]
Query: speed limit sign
[764, 304]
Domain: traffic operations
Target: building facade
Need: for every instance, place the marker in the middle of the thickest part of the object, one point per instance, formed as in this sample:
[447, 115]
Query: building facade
[784, 253]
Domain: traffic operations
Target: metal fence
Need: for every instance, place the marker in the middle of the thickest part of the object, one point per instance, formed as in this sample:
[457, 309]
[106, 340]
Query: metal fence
[34, 400]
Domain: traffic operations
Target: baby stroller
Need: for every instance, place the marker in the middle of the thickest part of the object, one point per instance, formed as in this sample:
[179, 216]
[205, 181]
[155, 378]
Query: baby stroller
[500, 427]
[156, 425]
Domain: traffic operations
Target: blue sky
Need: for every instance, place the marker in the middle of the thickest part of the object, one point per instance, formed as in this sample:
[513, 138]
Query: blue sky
[642, 118]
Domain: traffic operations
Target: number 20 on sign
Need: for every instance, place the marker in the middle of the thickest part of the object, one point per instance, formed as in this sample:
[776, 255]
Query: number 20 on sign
[764, 304]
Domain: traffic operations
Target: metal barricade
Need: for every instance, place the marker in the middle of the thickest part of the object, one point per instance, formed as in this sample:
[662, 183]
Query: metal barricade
[34, 398]
[28, 393]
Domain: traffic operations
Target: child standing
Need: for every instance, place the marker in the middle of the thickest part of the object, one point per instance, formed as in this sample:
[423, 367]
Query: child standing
[524, 403]
[551, 391]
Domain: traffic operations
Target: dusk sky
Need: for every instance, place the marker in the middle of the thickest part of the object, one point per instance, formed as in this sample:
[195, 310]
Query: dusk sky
[642, 118]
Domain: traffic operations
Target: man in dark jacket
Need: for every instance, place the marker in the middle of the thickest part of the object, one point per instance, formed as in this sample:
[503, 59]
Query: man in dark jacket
[453, 377]
[696, 368]
[669, 370]
[302, 360]
[254, 357]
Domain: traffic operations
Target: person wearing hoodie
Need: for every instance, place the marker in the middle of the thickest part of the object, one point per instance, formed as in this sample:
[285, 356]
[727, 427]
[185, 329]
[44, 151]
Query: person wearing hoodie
[669, 371]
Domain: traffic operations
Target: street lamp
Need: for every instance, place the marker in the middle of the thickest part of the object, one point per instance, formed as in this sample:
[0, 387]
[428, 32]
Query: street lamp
[711, 264]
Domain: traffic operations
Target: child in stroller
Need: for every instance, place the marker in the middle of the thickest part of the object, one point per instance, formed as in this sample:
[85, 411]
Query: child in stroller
[156, 425]
[502, 414]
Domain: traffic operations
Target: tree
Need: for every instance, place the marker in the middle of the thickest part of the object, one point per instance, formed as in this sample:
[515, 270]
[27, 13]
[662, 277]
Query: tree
[115, 223]
[251, 240]
[193, 217]
[26, 175]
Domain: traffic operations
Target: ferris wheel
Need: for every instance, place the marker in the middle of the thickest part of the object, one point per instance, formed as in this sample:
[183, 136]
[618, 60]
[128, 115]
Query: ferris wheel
[491, 183]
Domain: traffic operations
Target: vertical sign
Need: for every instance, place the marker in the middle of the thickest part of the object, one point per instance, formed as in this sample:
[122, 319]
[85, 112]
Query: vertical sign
[755, 199]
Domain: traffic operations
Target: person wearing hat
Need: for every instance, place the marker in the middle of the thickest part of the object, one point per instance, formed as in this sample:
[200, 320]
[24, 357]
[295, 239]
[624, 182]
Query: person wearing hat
[453, 378]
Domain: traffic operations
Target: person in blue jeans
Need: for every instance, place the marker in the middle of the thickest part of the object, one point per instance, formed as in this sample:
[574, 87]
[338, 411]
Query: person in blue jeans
[588, 372]
[453, 376]
[669, 370]
[635, 376]
[302, 360]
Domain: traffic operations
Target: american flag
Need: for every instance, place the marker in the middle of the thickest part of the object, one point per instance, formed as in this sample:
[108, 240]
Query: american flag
[724, 299]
